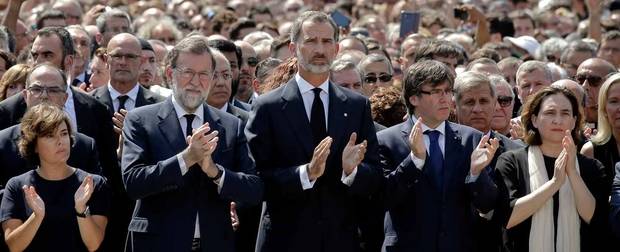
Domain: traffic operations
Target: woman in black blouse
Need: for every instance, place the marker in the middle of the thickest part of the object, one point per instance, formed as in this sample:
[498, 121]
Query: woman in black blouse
[55, 207]
[554, 195]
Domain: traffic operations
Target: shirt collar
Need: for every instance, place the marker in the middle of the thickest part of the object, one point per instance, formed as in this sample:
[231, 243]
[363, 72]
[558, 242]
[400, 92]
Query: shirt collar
[133, 93]
[305, 86]
[224, 108]
[181, 112]
[441, 127]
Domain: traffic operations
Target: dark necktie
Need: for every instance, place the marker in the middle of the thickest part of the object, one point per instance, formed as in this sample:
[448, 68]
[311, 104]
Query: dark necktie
[189, 118]
[317, 118]
[121, 102]
[76, 82]
[435, 158]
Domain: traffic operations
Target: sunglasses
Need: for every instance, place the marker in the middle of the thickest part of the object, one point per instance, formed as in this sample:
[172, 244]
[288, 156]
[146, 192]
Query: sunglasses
[373, 79]
[252, 61]
[594, 81]
[504, 101]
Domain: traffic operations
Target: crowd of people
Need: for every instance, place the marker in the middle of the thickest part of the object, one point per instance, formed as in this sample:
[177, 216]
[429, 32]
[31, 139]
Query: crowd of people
[308, 125]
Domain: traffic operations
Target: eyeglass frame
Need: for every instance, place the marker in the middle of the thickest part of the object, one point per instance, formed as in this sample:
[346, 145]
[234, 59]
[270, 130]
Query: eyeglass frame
[45, 89]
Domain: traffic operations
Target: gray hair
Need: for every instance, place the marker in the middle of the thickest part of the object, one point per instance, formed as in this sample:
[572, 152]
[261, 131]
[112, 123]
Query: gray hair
[343, 65]
[372, 58]
[498, 80]
[4, 41]
[315, 17]
[469, 80]
[104, 17]
[533, 65]
[146, 29]
[552, 46]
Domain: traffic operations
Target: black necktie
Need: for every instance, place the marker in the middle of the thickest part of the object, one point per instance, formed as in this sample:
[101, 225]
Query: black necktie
[189, 118]
[121, 102]
[317, 118]
[76, 82]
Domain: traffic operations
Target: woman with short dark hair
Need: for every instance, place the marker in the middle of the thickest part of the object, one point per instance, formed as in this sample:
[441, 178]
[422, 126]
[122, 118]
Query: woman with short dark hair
[55, 206]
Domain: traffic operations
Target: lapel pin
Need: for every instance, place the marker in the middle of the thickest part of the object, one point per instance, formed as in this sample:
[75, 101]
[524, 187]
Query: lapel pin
[345, 114]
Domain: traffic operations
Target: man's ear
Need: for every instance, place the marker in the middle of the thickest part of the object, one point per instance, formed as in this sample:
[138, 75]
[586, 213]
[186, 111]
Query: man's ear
[168, 72]
[256, 85]
[292, 48]
[68, 64]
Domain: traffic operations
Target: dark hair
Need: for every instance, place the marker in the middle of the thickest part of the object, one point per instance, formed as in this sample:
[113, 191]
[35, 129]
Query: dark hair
[194, 45]
[259, 9]
[502, 25]
[49, 14]
[486, 53]
[63, 35]
[421, 73]
[226, 46]
[442, 48]
[40, 120]
[236, 27]
[279, 43]
[532, 108]
[387, 107]
[102, 19]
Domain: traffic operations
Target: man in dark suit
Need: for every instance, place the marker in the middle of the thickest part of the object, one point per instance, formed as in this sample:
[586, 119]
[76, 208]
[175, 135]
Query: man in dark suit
[429, 194]
[233, 55]
[476, 103]
[184, 162]
[83, 152]
[221, 88]
[614, 217]
[309, 139]
[54, 45]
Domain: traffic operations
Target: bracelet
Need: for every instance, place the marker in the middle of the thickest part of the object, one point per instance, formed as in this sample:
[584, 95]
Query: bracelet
[220, 172]
[84, 214]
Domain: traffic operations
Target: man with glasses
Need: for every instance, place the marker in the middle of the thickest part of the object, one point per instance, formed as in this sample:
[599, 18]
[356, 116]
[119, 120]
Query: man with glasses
[591, 74]
[504, 106]
[120, 95]
[245, 91]
[184, 162]
[377, 72]
[233, 55]
[427, 158]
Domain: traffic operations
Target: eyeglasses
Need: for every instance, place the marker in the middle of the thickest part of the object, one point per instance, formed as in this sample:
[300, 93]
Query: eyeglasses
[50, 91]
[373, 79]
[438, 92]
[189, 74]
[120, 56]
[223, 76]
[252, 61]
[593, 81]
[504, 101]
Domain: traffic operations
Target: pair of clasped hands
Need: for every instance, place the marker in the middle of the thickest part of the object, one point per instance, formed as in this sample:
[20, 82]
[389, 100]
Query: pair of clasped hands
[480, 157]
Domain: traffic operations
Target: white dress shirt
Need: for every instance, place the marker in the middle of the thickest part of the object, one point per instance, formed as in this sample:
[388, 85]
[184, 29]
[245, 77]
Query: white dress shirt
[70, 109]
[130, 104]
[224, 108]
[307, 95]
[196, 123]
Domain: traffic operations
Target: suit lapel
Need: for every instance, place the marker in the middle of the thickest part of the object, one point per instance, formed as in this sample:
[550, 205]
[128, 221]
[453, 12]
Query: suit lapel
[141, 98]
[337, 113]
[105, 97]
[170, 127]
[294, 110]
[405, 129]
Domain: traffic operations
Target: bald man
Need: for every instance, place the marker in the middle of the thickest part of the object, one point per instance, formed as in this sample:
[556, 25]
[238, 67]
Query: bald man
[591, 74]
[120, 95]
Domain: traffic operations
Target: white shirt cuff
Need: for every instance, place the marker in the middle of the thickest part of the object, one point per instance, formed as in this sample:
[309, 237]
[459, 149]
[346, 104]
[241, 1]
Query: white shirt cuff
[348, 180]
[419, 163]
[305, 180]
[471, 178]
[182, 165]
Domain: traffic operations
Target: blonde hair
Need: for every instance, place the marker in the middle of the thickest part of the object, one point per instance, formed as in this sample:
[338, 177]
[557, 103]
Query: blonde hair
[16, 74]
[604, 131]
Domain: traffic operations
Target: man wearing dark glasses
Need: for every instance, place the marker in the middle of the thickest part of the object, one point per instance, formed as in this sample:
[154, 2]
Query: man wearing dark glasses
[249, 60]
[591, 74]
[376, 71]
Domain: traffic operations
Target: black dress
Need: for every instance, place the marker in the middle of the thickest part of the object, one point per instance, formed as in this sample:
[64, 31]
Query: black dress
[59, 230]
[608, 155]
[513, 167]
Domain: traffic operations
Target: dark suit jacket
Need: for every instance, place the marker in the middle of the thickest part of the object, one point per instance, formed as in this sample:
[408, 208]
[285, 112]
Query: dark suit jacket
[144, 97]
[241, 105]
[322, 218]
[420, 217]
[167, 202]
[513, 168]
[83, 155]
[239, 113]
[614, 216]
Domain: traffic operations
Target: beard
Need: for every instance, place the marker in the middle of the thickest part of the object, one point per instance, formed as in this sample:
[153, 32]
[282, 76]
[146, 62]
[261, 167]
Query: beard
[313, 68]
[189, 101]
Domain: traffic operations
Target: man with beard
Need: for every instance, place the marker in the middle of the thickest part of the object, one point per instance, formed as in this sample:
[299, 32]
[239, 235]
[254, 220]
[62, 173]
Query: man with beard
[245, 91]
[233, 55]
[313, 193]
[149, 71]
[184, 162]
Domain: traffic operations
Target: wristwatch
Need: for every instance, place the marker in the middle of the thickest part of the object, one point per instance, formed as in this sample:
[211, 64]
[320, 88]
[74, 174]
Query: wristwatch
[219, 175]
[84, 214]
